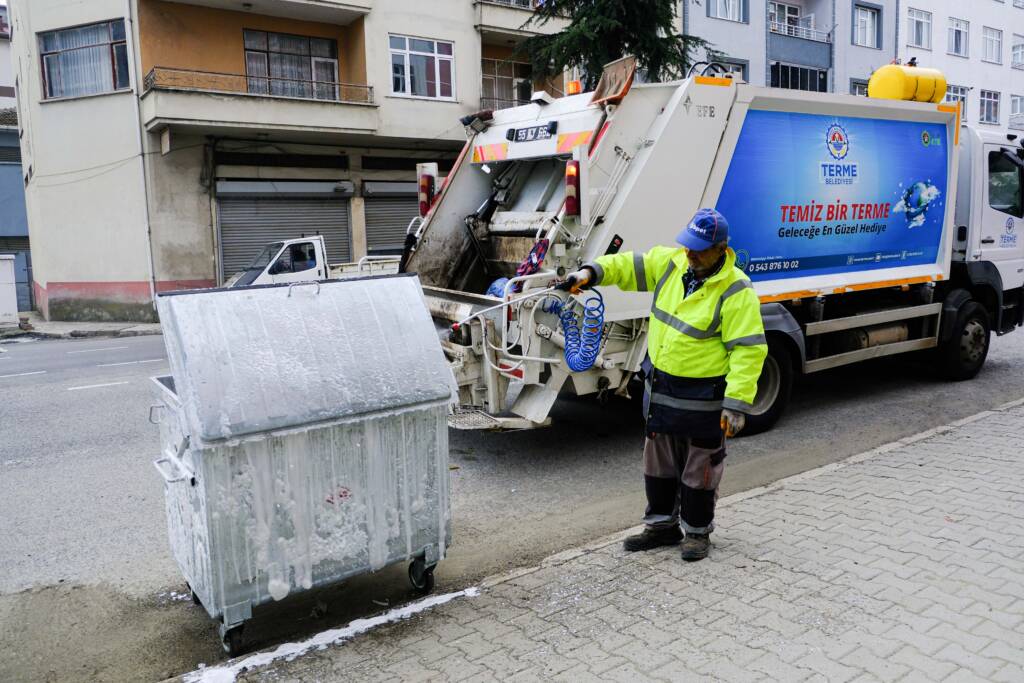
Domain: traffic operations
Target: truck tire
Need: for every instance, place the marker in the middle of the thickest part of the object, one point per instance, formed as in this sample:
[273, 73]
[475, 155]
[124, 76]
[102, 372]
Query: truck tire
[961, 356]
[773, 390]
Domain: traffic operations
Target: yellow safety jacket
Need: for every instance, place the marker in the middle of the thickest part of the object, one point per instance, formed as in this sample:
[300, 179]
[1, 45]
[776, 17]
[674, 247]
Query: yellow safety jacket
[715, 332]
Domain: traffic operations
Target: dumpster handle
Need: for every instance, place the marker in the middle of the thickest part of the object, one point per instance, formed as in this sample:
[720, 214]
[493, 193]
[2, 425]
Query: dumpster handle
[299, 284]
[176, 462]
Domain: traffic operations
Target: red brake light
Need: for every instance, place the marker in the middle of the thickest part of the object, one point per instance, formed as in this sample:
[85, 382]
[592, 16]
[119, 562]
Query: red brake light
[426, 194]
[572, 188]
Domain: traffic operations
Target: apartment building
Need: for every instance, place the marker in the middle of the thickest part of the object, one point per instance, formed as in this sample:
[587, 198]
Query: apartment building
[13, 222]
[816, 45]
[165, 143]
[979, 46]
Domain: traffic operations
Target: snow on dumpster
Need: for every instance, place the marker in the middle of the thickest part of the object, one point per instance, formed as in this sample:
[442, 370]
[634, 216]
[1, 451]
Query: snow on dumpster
[304, 439]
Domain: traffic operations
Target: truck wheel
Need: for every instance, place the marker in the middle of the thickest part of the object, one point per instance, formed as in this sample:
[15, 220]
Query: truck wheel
[962, 355]
[773, 390]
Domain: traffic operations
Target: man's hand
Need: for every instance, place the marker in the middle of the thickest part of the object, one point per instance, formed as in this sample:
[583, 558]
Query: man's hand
[576, 281]
[732, 422]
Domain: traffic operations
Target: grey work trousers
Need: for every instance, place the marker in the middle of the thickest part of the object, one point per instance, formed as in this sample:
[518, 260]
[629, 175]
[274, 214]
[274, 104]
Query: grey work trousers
[681, 478]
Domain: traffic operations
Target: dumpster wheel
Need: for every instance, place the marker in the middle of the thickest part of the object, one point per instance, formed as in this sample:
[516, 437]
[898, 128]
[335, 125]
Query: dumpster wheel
[421, 576]
[231, 639]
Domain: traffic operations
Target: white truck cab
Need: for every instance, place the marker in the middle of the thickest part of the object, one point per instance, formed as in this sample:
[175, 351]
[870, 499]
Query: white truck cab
[297, 260]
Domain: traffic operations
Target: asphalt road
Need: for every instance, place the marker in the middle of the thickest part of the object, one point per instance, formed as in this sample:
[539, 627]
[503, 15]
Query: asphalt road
[88, 589]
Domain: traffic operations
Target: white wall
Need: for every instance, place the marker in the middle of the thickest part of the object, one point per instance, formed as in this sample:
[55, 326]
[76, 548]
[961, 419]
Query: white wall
[86, 211]
[971, 71]
[855, 61]
[738, 40]
[6, 72]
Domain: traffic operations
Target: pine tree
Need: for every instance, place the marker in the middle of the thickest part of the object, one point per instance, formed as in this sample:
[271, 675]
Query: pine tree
[602, 31]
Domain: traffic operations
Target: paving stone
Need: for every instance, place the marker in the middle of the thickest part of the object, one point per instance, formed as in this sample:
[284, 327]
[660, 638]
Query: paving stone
[899, 565]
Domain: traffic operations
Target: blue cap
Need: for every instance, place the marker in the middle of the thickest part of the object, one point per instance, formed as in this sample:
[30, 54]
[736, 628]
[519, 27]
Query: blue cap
[707, 227]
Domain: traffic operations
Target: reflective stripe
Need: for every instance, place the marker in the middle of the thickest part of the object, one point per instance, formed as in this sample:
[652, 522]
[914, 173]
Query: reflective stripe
[736, 404]
[686, 403]
[684, 327]
[662, 281]
[749, 340]
[598, 271]
[641, 274]
[681, 325]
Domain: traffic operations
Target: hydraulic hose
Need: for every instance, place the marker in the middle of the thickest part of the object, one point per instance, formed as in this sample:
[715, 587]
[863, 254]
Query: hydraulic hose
[582, 341]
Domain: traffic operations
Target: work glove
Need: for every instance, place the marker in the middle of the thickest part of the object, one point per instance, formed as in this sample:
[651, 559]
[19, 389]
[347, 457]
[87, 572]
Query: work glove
[732, 422]
[576, 281]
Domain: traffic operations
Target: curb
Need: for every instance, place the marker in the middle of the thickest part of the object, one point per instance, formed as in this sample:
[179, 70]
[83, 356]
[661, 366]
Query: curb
[78, 334]
[603, 542]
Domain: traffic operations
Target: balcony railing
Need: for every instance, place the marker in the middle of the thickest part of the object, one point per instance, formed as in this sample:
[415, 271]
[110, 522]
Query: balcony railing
[804, 32]
[1016, 121]
[163, 78]
[499, 103]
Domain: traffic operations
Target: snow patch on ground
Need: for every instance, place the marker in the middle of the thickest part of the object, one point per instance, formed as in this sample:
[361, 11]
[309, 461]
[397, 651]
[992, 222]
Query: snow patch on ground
[227, 673]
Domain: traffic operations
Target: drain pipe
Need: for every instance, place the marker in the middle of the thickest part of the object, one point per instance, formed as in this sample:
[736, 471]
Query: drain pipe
[136, 87]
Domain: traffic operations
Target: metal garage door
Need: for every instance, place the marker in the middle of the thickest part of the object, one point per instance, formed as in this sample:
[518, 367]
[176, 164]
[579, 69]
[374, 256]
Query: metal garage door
[247, 224]
[389, 208]
[22, 268]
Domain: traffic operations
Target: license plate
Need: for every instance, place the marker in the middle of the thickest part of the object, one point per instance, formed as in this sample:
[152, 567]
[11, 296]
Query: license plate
[532, 133]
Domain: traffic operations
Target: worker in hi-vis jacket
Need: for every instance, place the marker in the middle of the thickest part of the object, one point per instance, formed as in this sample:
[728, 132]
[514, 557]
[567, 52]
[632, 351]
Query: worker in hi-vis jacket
[706, 347]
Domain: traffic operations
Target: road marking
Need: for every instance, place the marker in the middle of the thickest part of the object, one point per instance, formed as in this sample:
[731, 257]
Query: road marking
[106, 348]
[23, 374]
[96, 386]
[131, 362]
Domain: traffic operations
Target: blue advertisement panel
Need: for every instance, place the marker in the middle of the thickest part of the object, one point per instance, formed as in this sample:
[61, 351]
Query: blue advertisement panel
[811, 194]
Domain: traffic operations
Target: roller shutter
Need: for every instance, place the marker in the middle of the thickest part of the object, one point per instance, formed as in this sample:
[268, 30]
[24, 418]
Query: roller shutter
[387, 218]
[247, 224]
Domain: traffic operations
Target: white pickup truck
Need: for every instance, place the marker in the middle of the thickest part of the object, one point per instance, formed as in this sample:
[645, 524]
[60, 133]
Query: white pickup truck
[869, 227]
[305, 260]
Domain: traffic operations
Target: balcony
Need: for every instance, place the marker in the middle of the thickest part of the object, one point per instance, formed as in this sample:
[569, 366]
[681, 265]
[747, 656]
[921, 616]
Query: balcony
[217, 103]
[496, 103]
[804, 32]
[503, 21]
[1016, 121]
[340, 12]
[796, 44]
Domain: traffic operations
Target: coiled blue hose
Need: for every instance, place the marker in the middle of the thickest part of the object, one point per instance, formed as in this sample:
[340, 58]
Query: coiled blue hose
[582, 342]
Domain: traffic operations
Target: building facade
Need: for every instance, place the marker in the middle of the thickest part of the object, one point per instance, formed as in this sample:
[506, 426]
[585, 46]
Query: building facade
[816, 45]
[13, 220]
[979, 46]
[165, 143]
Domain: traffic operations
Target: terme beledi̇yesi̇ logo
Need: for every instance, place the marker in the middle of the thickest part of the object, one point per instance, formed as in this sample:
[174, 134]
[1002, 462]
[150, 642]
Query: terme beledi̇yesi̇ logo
[838, 171]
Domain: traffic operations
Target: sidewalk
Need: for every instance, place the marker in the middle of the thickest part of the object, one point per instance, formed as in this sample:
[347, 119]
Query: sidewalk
[68, 330]
[903, 563]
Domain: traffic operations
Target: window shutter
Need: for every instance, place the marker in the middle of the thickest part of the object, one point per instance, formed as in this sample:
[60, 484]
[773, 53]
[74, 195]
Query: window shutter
[745, 12]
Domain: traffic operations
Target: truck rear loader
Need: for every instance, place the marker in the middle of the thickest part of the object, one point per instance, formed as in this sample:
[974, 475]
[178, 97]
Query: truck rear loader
[869, 227]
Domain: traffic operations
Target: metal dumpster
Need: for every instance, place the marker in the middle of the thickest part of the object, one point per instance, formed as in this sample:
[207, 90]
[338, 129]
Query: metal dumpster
[304, 439]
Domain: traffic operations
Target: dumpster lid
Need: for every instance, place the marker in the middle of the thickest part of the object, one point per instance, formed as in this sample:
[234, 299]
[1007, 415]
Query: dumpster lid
[256, 359]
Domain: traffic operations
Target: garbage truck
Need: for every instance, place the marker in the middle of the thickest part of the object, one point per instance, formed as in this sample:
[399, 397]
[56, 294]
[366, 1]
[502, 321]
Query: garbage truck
[869, 227]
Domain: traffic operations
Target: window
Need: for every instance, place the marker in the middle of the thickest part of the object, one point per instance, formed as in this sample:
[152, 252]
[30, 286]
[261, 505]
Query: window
[86, 60]
[1017, 52]
[989, 107]
[919, 28]
[992, 45]
[865, 26]
[1016, 105]
[297, 258]
[959, 31]
[1004, 184]
[958, 93]
[858, 87]
[733, 10]
[782, 14]
[505, 84]
[737, 69]
[422, 68]
[798, 78]
[284, 65]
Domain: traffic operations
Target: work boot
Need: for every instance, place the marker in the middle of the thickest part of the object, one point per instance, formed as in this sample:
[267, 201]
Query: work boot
[695, 547]
[651, 538]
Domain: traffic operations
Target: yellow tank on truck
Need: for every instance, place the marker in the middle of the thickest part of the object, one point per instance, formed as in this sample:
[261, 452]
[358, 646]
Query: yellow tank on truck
[913, 83]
